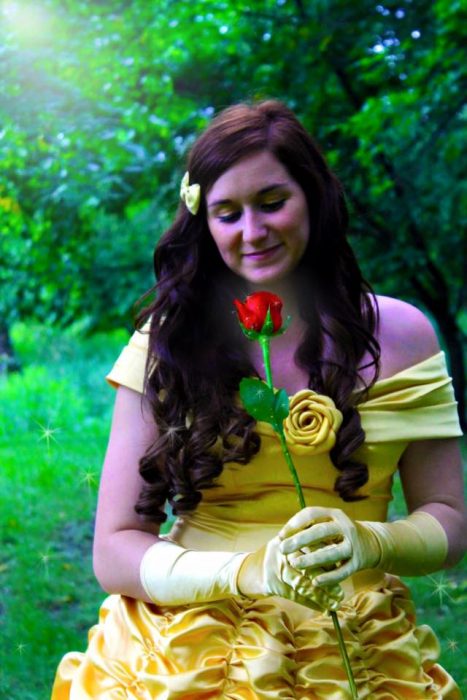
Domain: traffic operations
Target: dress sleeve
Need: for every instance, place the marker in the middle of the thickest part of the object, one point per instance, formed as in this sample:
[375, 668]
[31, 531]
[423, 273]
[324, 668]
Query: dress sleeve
[415, 404]
[129, 368]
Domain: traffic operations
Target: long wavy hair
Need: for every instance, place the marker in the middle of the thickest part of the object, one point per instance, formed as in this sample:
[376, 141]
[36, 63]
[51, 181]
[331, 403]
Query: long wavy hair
[197, 354]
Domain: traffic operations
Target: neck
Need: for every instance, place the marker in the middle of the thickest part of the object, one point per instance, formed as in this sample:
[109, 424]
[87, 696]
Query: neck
[285, 289]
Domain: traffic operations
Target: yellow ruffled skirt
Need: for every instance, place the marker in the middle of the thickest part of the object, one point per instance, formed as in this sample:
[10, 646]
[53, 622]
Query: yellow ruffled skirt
[257, 650]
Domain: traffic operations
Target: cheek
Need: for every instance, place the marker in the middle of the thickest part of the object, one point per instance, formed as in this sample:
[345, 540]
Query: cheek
[296, 222]
[222, 241]
[302, 221]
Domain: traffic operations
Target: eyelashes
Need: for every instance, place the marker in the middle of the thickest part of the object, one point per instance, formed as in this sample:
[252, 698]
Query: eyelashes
[273, 206]
[267, 207]
[229, 218]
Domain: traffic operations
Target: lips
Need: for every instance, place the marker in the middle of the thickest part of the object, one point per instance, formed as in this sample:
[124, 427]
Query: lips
[259, 254]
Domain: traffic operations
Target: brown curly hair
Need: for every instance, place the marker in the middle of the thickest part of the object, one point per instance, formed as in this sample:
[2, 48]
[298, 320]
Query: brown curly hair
[200, 359]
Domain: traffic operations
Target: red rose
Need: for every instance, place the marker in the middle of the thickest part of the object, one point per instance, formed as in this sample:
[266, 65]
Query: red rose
[253, 311]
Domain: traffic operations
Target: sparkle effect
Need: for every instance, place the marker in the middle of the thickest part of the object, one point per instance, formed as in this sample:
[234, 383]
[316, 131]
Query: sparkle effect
[440, 588]
[47, 434]
[89, 478]
[172, 431]
[45, 558]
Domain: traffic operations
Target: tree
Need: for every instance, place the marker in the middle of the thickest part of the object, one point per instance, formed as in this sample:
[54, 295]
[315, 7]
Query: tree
[125, 87]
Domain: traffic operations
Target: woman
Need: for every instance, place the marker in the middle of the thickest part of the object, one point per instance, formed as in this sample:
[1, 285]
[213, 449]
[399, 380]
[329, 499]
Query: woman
[232, 603]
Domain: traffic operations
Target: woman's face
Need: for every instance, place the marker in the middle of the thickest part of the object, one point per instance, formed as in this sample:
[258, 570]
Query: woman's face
[258, 218]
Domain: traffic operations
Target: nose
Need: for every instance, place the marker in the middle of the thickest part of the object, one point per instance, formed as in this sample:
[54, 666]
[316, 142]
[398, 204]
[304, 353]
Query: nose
[254, 226]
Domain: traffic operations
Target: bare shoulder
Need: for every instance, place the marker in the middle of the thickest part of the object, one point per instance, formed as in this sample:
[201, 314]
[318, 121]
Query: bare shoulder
[405, 334]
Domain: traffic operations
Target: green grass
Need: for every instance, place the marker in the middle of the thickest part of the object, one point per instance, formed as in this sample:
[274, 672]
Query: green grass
[48, 487]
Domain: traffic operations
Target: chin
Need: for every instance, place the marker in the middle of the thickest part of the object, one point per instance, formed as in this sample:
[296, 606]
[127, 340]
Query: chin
[266, 277]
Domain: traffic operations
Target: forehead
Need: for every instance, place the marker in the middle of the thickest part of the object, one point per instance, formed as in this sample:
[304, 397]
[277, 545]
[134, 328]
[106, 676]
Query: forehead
[249, 176]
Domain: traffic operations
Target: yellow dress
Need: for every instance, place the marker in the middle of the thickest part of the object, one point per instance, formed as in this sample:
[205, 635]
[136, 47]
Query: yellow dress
[242, 649]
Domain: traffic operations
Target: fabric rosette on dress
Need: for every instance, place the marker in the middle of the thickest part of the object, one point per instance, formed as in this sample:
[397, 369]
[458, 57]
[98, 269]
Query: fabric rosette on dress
[312, 423]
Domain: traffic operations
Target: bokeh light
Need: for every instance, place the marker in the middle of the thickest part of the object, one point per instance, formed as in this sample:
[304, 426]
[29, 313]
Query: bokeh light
[30, 22]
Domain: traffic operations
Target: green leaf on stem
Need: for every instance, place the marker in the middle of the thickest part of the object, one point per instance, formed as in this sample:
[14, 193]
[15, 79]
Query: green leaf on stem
[280, 408]
[258, 399]
[263, 403]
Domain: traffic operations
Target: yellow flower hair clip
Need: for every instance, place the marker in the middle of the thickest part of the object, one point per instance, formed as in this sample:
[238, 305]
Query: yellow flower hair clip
[190, 194]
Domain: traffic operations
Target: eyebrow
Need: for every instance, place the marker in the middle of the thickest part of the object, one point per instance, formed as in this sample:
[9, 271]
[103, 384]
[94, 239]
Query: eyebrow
[264, 190]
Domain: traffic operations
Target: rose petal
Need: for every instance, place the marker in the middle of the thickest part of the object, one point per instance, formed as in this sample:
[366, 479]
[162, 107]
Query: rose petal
[259, 303]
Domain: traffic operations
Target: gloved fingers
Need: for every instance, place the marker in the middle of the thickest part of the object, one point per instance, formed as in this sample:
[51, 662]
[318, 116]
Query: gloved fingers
[322, 557]
[331, 578]
[304, 518]
[302, 583]
[316, 533]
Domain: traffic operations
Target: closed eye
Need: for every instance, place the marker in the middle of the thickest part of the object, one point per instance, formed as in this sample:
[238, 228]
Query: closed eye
[229, 218]
[234, 216]
[273, 206]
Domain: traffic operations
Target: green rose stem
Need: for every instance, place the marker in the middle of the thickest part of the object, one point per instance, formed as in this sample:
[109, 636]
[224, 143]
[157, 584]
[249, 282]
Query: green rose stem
[264, 341]
[264, 404]
[345, 656]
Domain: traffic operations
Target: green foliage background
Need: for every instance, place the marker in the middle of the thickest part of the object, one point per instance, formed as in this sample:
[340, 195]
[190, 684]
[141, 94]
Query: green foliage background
[99, 103]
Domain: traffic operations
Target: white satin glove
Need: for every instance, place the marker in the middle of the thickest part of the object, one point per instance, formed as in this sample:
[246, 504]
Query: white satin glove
[268, 572]
[327, 537]
[172, 575]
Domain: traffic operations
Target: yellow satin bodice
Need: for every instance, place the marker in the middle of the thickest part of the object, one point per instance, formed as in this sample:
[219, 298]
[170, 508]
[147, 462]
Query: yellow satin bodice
[251, 502]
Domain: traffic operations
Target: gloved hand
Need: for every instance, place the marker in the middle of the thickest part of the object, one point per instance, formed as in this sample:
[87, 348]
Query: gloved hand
[172, 575]
[268, 572]
[414, 546]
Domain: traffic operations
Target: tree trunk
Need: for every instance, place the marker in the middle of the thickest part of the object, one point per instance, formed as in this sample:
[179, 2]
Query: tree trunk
[8, 361]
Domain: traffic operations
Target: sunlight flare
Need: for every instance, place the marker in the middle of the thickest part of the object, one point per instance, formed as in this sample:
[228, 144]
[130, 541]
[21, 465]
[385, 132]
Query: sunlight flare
[27, 20]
